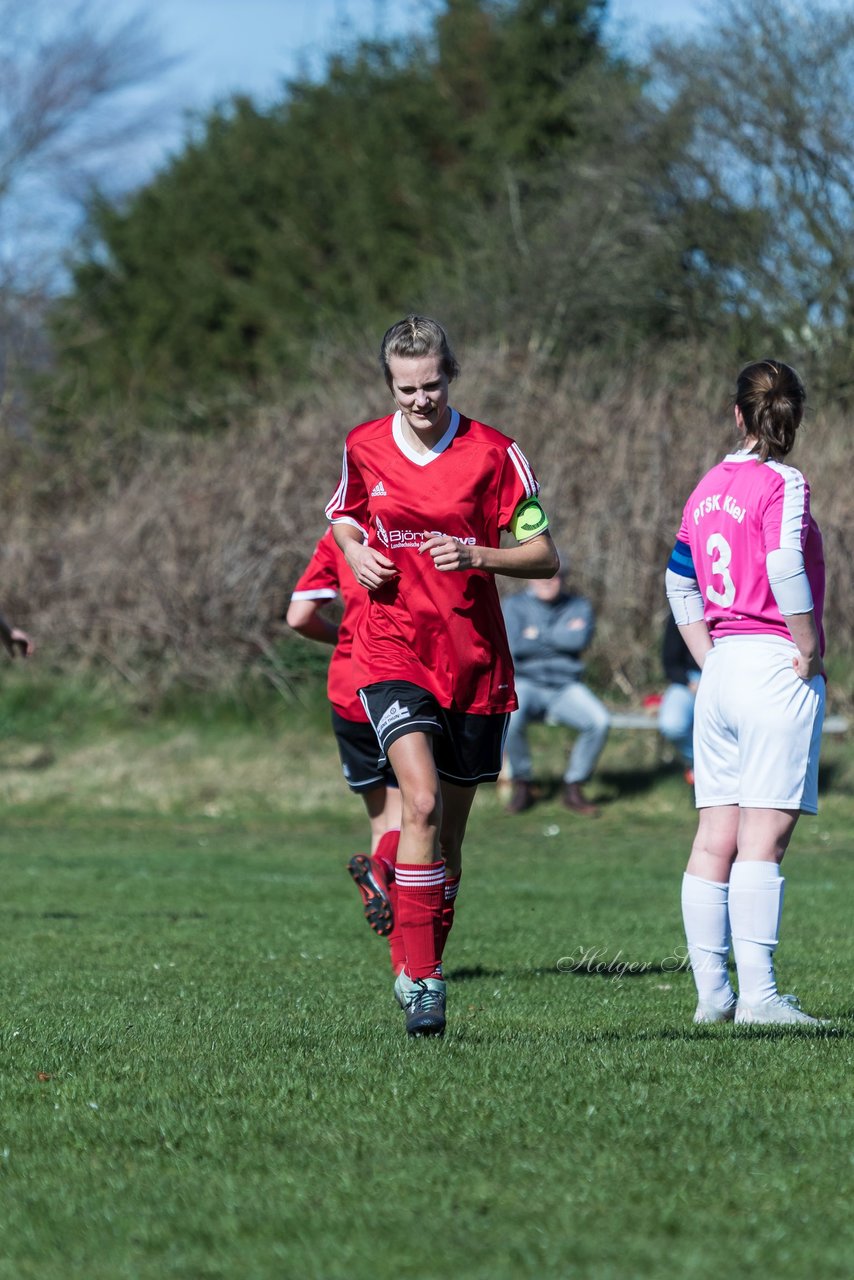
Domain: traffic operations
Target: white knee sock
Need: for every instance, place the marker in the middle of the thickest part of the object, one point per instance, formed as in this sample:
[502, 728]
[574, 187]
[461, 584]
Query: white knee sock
[755, 907]
[706, 920]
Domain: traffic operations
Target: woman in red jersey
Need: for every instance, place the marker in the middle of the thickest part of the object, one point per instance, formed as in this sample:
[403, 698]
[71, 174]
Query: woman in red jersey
[424, 495]
[746, 586]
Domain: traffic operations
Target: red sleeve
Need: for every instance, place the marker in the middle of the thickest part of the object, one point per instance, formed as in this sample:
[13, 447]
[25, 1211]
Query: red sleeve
[320, 579]
[349, 502]
[516, 483]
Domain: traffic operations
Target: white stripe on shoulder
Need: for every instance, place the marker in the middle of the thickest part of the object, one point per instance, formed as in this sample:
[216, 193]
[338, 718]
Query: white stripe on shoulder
[339, 494]
[322, 593]
[526, 475]
[796, 504]
[353, 524]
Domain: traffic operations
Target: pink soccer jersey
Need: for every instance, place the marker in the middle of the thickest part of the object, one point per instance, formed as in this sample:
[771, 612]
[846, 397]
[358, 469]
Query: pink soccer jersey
[327, 576]
[442, 631]
[741, 510]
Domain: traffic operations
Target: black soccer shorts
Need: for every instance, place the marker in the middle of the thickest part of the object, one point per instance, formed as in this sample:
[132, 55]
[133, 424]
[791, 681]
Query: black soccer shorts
[467, 748]
[363, 763]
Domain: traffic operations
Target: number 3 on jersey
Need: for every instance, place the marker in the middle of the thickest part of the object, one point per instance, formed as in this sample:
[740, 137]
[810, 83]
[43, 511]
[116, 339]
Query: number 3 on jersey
[721, 553]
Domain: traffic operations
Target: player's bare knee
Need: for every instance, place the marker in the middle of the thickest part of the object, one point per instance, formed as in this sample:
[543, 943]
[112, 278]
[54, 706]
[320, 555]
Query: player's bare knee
[422, 808]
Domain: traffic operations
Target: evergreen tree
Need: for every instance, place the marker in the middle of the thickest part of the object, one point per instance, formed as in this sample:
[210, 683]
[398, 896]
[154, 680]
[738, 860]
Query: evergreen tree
[504, 172]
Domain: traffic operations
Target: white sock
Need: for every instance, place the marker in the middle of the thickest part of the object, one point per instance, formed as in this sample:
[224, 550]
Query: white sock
[755, 907]
[706, 920]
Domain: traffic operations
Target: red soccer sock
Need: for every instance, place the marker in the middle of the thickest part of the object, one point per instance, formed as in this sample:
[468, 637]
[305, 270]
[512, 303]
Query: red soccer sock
[420, 903]
[452, 884]
[397, 953]
[386, 852]
[386, 856]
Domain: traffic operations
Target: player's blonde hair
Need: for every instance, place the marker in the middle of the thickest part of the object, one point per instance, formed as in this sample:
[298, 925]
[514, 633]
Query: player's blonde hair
[771, 398]
[417, 336]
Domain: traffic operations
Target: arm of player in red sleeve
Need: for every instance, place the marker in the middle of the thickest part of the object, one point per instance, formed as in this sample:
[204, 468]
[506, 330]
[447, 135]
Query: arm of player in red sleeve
[349, 513]
[305, 617]
[370, 567]
[317, 587]
[536, 558]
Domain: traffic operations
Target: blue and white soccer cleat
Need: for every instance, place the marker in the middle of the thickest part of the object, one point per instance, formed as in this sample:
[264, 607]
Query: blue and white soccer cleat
[425, 1007]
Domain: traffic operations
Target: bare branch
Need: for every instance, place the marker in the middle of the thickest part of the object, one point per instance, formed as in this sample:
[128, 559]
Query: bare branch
[67, 82]
[768, 88]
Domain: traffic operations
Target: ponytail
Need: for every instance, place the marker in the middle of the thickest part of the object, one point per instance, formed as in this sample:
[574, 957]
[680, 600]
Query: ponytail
[771, 398]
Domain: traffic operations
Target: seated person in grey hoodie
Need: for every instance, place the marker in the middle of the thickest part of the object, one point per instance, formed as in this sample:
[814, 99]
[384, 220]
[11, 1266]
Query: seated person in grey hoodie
[549, 628]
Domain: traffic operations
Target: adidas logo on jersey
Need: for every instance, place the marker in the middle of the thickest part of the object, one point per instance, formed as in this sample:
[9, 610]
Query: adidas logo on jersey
[378, 490]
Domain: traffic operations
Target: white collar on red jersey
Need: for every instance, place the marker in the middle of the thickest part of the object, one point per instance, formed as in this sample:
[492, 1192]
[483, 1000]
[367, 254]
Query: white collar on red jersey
[422, 459]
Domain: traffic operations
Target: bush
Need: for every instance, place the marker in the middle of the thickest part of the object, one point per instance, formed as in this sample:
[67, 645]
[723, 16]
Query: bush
[176, 572]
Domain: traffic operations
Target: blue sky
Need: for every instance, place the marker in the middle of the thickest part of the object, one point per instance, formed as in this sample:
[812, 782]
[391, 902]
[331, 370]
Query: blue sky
[253, 44]
[225, 46]
[221, 47]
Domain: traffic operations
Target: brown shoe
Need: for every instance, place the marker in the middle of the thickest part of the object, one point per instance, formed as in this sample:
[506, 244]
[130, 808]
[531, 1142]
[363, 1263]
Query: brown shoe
[521, 797]
[575, 799]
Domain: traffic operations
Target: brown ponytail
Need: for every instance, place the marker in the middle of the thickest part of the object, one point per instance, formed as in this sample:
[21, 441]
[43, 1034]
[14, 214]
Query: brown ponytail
[771, 398]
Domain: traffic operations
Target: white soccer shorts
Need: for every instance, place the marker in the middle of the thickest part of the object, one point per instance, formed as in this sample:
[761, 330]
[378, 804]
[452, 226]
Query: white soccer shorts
[757, 727]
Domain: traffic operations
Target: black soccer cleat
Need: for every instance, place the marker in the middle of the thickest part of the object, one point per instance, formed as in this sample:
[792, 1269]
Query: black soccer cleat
[371, 883]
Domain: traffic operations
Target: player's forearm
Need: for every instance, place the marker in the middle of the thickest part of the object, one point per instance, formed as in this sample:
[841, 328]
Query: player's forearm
[535, 559]
[313, 627]
[699, 642]
[804, 632]
[346, 534]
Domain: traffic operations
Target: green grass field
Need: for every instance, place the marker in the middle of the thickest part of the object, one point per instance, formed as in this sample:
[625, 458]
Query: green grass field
[204, 1073]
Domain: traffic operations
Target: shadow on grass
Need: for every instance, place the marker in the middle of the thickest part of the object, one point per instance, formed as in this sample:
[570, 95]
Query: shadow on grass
[619, 969]
[717, 1031]
[173, 916]
[473, 972]
[607, 786]
[685, 1034]
[613, 969]
[604, 969]
[637, 781]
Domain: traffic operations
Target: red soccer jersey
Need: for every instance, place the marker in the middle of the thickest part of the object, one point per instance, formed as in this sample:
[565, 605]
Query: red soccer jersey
[326, 576]
[441, 631]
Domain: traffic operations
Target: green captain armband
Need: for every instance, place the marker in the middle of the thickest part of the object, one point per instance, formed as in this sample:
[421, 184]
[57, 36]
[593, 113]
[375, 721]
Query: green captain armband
[529, 519]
